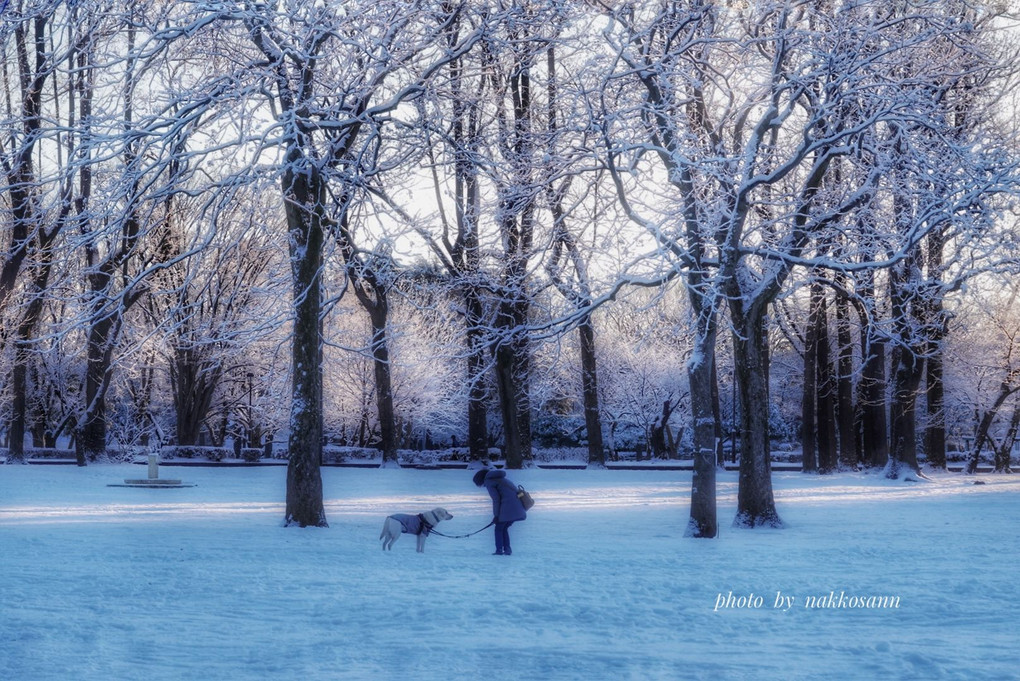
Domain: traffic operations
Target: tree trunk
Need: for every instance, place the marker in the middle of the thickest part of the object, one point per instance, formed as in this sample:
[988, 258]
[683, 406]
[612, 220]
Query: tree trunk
[517, 206]
[660, 444]
[383, 382]
[936, 325]
[826, 403]
[19, 403]
[903, 415]
[23, 352]
[1002, 454]
[23, 346]
[810, 393]
[304, 196]
[874, 436]
[756, 504]
[935, 433]
[703, 522]
[580, 294]
[465, 257]
[90, 440]
[370, 288]
[513, 348]
[477, 407]
[104, 330]
[107, 307]
[845, 385]
[905, 306]
[1005, 390]
[194, 383]
[515, 405]
[22, 200]
[590, 393]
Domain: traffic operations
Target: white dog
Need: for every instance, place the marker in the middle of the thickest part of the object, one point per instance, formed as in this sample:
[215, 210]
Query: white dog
[419, 525]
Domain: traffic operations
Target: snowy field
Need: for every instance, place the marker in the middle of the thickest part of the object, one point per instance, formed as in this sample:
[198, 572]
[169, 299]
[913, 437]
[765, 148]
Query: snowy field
[107, 583]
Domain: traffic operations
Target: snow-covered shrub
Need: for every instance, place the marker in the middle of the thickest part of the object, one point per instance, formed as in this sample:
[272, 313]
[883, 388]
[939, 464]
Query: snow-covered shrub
[195, 452]
[556, 430]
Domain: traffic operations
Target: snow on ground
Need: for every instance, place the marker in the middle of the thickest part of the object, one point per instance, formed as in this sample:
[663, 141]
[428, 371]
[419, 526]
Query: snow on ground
[110, 583]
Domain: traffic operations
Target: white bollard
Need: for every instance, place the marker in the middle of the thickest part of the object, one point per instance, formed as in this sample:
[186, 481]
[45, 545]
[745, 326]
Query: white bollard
[153, 466]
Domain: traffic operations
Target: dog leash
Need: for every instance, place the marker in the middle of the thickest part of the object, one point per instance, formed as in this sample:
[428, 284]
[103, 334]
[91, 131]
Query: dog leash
[461, 536]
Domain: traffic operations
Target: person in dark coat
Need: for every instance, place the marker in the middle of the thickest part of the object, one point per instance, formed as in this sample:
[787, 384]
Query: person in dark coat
[506, 507]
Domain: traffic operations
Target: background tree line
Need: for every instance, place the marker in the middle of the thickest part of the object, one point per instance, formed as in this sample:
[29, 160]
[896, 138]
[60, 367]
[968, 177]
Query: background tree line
[496, 223]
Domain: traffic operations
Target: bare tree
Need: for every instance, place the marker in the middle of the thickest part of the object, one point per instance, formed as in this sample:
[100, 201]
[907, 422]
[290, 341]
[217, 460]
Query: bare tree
[996, 334]
[510, 59]
[333, 76]
[567, 266]
[49, 104]
[458, 248]
[759, 170]
[371, 278]
[145, 143]
[211, 306]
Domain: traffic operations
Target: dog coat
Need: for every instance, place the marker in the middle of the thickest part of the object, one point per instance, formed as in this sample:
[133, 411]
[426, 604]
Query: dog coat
[412, 524]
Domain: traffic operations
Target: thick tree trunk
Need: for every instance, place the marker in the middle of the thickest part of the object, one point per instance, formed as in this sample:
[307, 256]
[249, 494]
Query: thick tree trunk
[903, 416]
[90, 439]
[512, 367]
[906, 307]
[873, 423]
[826, 398]
[756, 504]
[703, 522]
[590, 393]
[304, 199]
[513, 349]
[194, 384]
[190, 421]
[383, 381]
[702, 378]
[844, 385]
[107, 319]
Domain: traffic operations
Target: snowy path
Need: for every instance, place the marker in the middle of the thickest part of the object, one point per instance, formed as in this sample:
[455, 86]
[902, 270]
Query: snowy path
[203, 583]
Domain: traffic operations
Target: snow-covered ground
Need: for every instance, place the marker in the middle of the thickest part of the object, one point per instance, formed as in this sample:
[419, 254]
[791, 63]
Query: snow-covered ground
[109, 583]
